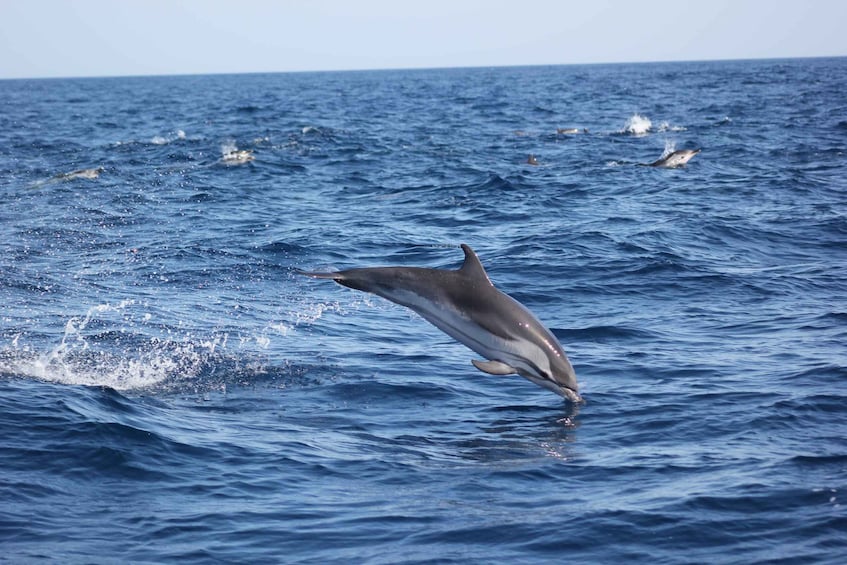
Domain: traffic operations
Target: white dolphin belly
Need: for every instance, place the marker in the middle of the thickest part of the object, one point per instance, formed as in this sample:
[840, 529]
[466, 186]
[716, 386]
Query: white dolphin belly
[522, 355]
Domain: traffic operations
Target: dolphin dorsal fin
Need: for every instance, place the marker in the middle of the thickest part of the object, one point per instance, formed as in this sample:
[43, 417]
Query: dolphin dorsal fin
[472, 266]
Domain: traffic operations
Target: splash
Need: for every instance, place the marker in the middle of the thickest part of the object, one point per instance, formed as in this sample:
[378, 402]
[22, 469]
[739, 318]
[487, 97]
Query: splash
[105, 348]
[666, 126]
[142, 369]
[231, 155]
[162, 140]
[304, 314]
[670, 147]
[637, 125]
[228, 147]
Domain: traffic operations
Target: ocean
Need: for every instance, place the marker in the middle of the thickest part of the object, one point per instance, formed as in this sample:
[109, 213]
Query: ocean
[172, 390]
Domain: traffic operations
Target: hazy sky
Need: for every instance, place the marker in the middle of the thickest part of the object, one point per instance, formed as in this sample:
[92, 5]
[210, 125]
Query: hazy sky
[47, 38]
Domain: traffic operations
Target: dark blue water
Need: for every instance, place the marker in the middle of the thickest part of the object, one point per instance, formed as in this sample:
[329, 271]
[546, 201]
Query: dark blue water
[171, 391]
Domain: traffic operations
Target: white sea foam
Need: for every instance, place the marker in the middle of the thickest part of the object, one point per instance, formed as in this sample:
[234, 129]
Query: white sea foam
[100, 368]
[665, 126]
[637, 125]
[119, 345]
[124, 360]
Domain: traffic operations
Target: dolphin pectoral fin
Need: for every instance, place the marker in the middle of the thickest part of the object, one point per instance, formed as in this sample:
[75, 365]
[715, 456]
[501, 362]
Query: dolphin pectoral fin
[494, 367]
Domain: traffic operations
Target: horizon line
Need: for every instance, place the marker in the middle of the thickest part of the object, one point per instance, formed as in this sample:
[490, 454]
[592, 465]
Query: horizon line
[421, 68]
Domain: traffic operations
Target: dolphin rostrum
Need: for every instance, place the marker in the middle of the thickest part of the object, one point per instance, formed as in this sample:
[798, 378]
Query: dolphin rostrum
[464, 304]
[675, 159]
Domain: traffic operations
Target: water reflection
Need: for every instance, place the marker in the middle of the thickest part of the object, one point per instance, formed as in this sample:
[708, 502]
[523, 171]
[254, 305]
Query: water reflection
[524, 433]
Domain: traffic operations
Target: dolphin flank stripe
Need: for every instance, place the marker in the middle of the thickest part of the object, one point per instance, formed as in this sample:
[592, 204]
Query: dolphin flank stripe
[465, 305]
[467, 338]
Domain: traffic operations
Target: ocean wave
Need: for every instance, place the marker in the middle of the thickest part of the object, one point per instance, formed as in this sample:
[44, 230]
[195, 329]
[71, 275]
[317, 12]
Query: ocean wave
[604, 334]
[164, 140]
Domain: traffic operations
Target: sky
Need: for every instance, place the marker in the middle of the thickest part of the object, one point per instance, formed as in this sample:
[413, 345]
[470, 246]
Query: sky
[75, 38]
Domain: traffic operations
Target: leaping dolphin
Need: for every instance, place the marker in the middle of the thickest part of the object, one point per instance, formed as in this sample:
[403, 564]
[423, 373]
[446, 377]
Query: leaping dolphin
[464, 304]
[675, 159]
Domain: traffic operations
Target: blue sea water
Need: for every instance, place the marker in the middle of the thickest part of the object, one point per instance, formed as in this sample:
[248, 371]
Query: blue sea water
[172, 391]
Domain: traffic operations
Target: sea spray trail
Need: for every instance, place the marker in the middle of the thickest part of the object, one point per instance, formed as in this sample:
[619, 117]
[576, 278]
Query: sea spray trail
[171, 390]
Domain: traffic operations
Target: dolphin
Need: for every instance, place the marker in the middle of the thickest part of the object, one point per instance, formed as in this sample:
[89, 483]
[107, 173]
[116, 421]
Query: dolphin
[464, 304]
[89, 174]
[675, 159]
[80, 174]
[236, 157]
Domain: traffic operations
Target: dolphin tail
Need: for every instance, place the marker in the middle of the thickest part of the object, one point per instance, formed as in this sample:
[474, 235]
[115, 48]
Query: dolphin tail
[318, 275]
[343, 278]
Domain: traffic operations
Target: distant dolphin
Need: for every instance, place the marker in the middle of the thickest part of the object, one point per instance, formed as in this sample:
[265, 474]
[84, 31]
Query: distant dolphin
[675, 159]
[89, 174]
[236, 157]
[465, 305]
[570, 131]
[80, 174]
